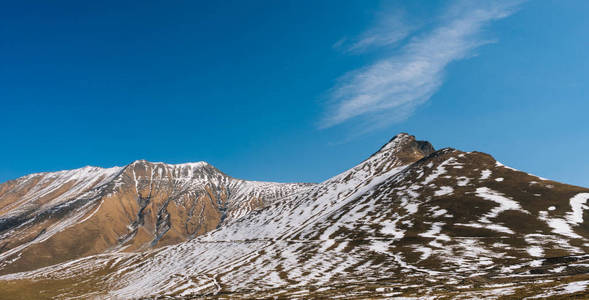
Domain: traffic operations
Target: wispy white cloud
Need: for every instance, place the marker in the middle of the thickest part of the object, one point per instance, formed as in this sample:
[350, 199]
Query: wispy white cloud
[389, 89]
[391, 28]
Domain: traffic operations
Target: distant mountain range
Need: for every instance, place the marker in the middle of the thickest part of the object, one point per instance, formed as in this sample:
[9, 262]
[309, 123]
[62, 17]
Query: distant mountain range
[409, 221]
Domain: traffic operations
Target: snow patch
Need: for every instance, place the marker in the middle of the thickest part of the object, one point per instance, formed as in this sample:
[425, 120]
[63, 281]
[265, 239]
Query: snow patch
[558, 225]
[440, 170]
[485, 174]
[444, 190]
[462, 180]
[577, 204]
[498, 164]
[564, 289]
[535, 251]
[504, 203]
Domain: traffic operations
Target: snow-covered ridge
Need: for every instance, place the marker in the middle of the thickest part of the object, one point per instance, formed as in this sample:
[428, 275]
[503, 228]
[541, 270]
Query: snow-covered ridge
[65, 200]
[45, 184]
[310, 239]
[38, 186]
[198, 164]
[41, 191]
[403, 222]
[242, 195]
[317, 201]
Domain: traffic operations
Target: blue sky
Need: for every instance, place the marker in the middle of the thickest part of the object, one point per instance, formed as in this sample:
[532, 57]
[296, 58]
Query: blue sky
[292, 90]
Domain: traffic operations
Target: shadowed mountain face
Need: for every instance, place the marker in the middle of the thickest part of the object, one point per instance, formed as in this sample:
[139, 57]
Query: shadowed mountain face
[408, 221]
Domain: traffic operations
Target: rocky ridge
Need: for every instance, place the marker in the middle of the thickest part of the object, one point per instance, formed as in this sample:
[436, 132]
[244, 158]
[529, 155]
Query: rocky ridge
[409, 221]
[47, 218]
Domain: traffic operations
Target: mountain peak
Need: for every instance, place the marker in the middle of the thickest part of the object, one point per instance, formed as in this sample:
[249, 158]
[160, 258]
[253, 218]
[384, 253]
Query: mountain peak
[403, 139]
[402, 214]
[406, 148]
[198, 164]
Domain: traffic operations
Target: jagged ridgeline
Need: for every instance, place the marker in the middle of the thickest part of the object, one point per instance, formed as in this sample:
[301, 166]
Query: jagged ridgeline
[408, 221]
[48, 218]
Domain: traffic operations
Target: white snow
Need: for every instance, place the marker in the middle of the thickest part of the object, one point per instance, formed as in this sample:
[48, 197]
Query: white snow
[379, 246]
[485, 174]
[462, 180]
[535, 251]
[558, 269]
[499, 228]
[434, 232]
[564, 289]
[425, 252]
[574, 287]
[577, 204]
[498, 164]
[438, 212]
[444, 190]
[328, 243]
[440, 170]
[558, 225]
[390, 228]
[504, 203]
[535, 263]
[495, 227]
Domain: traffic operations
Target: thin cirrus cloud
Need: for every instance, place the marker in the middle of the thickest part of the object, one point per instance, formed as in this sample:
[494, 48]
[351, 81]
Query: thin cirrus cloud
[389, 90]
[391, 28]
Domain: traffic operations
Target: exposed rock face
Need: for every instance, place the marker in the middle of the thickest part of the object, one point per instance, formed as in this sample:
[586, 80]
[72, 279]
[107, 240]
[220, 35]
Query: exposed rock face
[406, 148]
[408, 221]
[52, 217]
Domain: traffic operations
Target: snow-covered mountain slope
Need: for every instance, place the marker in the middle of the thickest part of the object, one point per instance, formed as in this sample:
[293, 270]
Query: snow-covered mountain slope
[407, 222]
[48, 218]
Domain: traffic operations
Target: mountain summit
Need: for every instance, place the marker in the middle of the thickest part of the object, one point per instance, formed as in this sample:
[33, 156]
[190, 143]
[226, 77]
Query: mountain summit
[406, 147]
[48, 218]
[408, 221]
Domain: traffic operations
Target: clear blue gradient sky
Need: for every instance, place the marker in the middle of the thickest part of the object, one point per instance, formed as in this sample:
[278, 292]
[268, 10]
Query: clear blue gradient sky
[292, 90]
